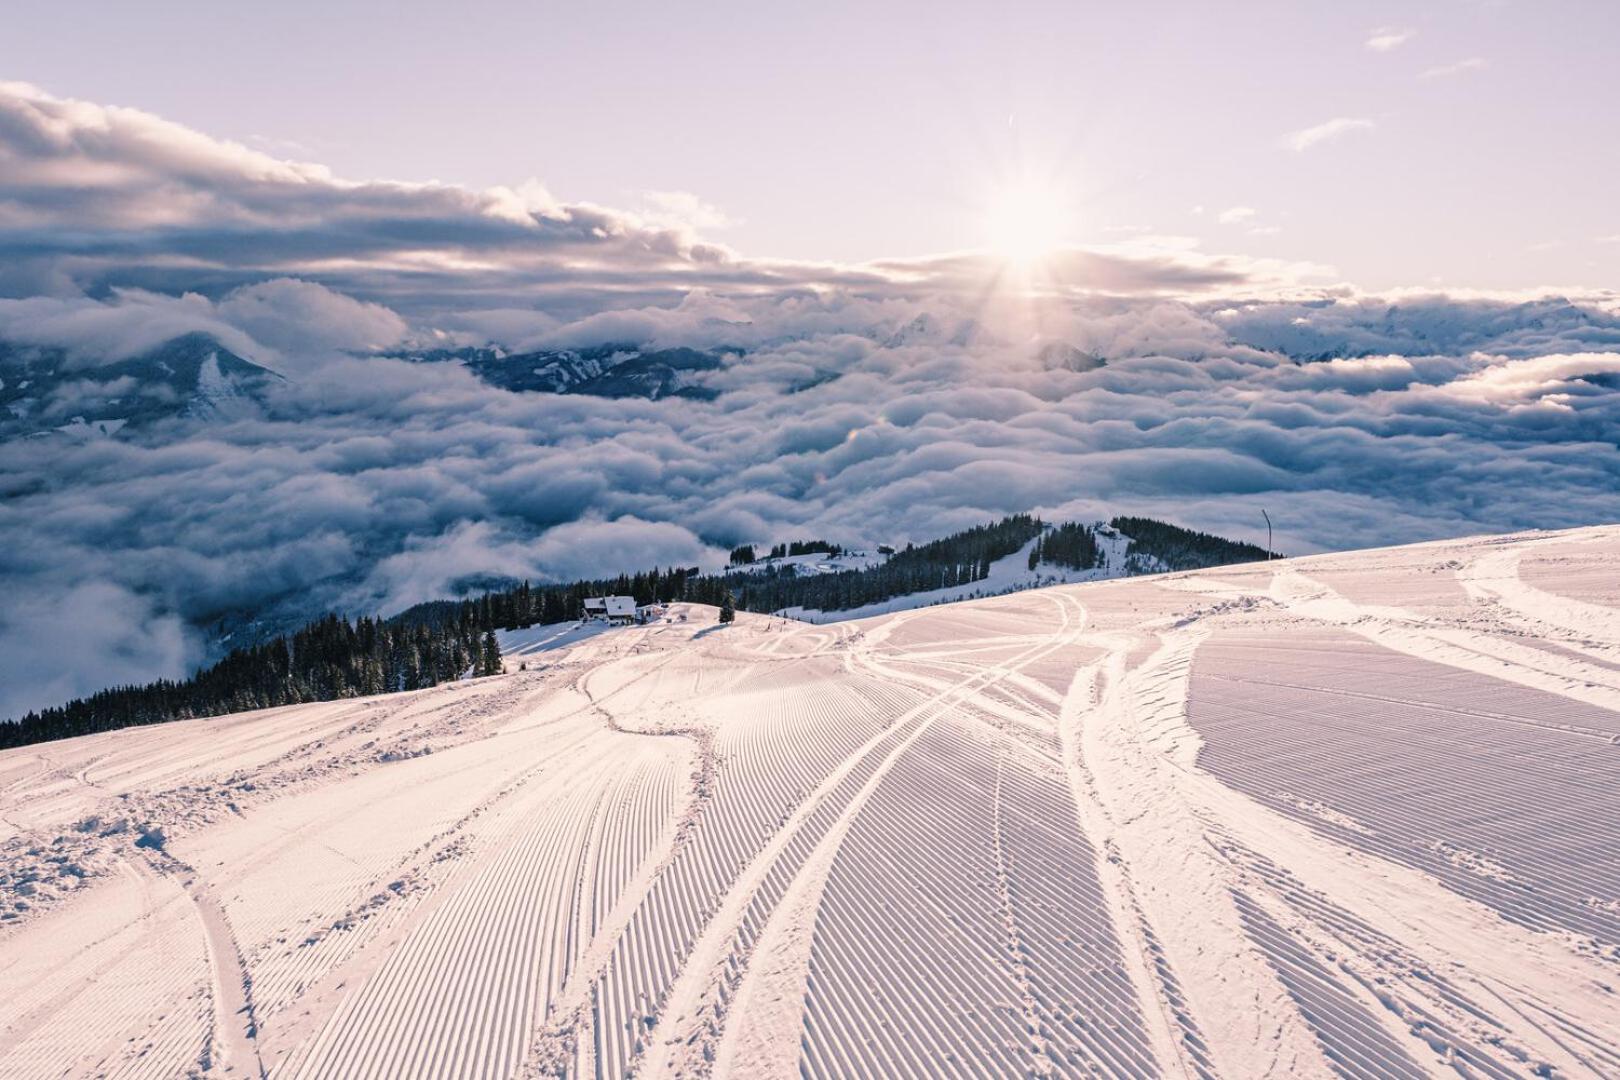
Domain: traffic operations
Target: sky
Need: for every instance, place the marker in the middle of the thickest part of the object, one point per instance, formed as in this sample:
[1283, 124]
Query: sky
[1447, 143]
[1351, 266]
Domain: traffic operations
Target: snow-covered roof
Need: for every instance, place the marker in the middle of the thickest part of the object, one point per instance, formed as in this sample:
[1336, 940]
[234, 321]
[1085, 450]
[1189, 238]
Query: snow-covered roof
[621, 605]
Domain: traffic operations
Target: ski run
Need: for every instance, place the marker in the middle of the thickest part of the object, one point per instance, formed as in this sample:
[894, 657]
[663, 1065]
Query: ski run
[1353, 815]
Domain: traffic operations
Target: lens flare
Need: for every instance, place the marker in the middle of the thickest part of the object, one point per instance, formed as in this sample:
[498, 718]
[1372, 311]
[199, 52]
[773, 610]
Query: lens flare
[1026, 222]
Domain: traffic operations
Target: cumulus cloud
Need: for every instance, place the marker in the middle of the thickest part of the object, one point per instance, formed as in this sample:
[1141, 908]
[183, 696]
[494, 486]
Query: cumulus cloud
[1327, 131]
[682, 209]
[299, 318]
[132, 321]
[1543, 380]
[1236, 215]
[100, 196]
[282, 323]
[96, 199]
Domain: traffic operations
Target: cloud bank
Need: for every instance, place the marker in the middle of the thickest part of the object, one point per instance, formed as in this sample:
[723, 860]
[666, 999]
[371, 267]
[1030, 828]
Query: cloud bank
[97, 198]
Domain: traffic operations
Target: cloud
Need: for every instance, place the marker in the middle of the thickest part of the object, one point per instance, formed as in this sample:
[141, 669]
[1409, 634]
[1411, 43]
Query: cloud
[73, 641]
[98, 200]
[682, 209]
[370, 483]
[1473, 63]
[104, 196]
[131, 321]
[299, 318]
[282, 323]
[1386, 38]
[1327, 131]
[1542, 380]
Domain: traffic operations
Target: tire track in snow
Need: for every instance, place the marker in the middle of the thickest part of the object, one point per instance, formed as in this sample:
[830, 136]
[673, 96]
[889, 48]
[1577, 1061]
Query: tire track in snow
[704, 969]
[1170, 1025]
[1124, 750]
[1470, 650]
[1430, 923]
[760, 1028]
[1533, 839]
[558, 1048]
[1495, 576]
[397, 1000]
[1353, 1029]
[1041, 1064]
[235, 1027]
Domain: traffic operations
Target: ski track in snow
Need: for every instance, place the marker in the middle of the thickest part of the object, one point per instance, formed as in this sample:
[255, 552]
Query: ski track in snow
[1346, 816]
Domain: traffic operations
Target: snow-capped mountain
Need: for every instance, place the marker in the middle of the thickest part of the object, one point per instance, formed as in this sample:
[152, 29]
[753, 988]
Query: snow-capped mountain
[610, 371]
[46, 390]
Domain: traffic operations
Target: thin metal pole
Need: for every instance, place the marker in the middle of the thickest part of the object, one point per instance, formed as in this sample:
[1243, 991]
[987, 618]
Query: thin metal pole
[1268, 532]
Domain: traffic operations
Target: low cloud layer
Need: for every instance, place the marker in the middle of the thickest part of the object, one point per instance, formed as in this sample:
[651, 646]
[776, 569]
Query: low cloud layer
[369, 484]
[884, 403]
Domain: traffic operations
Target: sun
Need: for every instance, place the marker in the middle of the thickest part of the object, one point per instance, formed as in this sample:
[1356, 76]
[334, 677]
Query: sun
[1026, 222]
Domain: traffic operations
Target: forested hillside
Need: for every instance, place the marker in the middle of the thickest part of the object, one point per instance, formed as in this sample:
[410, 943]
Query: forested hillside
[955, 560]
[1181, 549]
[431, 643]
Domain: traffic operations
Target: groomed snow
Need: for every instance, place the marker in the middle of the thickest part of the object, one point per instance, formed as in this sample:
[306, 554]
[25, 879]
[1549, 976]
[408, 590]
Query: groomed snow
[1352, 815]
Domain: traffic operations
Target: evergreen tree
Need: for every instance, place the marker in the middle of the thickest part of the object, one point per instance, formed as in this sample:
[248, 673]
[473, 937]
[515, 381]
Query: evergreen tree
[728, 609]
[491, 661]
[1181, 549]
[1071, 545]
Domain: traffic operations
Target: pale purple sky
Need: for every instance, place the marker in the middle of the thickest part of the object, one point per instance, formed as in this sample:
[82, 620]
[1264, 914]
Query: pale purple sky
[1464, 144]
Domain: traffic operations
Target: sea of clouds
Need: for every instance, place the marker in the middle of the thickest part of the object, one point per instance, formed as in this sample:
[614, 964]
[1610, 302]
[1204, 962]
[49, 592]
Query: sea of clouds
[884, 403]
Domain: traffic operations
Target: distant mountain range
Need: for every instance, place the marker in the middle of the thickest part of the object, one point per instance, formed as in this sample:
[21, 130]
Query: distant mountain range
[626, 370]
[46, 390]
[610, 371]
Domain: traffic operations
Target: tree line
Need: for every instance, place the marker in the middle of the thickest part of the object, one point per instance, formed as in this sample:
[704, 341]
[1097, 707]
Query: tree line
[959, 559]
[334, 657]
[327, 659]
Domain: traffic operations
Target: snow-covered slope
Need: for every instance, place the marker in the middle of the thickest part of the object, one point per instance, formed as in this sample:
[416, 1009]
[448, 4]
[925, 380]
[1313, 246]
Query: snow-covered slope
[1352, 815]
